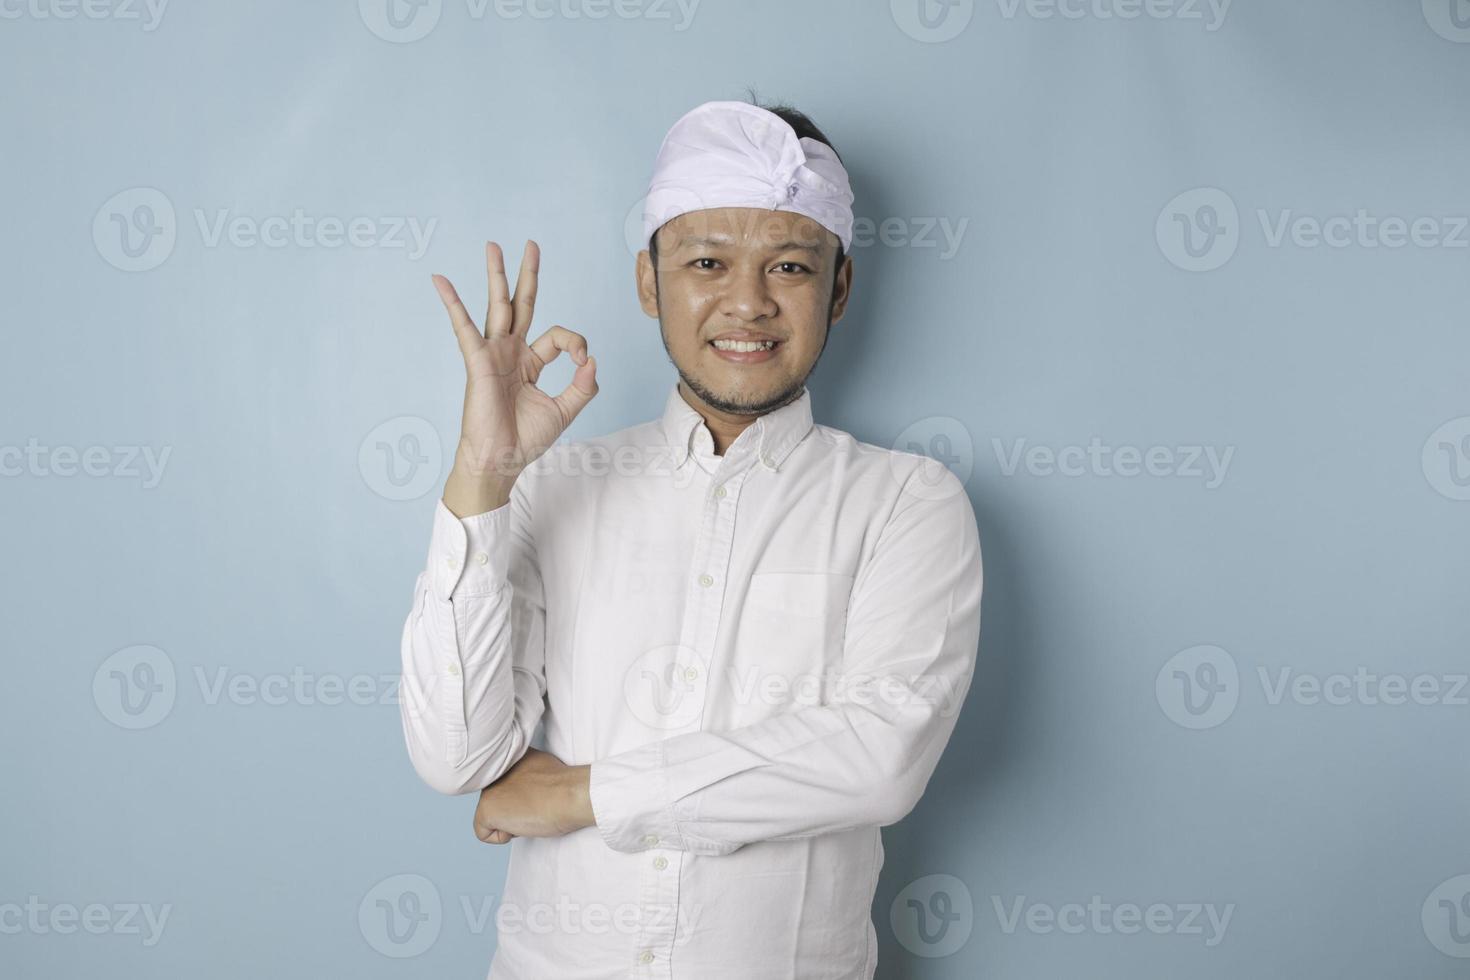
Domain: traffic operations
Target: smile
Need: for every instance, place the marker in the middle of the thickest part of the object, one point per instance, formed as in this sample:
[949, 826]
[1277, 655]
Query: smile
[744, 346]
[745, 351]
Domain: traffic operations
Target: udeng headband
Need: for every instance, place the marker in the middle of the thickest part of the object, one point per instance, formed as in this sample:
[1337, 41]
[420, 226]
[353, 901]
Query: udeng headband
[737, 155]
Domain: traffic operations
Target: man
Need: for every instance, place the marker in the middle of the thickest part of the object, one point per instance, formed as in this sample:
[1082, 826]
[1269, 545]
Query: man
[744, 636]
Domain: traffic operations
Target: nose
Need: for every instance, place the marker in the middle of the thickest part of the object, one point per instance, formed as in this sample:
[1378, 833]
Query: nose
[747, 297]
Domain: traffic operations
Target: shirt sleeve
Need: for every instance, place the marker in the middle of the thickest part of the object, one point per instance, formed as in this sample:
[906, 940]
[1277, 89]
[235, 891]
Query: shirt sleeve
[473, 649]
[864, 756]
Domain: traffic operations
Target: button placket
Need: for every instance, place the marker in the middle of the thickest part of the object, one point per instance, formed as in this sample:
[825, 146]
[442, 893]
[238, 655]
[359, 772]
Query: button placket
[712, 555]
[658, 913]
[714, 541]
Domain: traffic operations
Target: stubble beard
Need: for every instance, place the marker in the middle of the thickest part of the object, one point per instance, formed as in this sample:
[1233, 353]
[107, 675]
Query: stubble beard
[734, 406]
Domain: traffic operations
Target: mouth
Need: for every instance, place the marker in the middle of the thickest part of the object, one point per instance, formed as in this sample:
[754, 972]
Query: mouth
[751, 351]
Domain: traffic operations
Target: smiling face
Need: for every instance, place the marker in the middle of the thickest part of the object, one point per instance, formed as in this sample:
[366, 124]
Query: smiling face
[744, 299]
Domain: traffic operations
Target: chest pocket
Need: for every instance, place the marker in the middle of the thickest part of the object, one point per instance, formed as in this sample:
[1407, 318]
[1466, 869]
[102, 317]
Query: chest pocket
[791, 632]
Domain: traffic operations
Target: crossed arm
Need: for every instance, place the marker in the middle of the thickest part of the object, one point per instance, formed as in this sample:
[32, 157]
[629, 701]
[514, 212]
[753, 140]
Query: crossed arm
[474, 649]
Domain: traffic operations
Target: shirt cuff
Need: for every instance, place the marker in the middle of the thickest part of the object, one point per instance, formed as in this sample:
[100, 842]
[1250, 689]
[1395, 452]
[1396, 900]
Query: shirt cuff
[630, 801]
[469, 557]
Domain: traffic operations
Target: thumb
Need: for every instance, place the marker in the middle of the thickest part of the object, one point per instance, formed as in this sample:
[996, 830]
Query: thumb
[581, 391]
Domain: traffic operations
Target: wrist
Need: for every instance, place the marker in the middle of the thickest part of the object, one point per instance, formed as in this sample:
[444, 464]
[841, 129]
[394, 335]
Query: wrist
[577, 787]
[467, 494]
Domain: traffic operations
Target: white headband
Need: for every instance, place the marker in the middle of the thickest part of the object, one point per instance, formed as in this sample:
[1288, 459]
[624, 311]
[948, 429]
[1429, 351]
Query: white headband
[737, 155]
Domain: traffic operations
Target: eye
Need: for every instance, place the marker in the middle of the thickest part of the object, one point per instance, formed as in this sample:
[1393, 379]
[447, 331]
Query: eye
[698, 264]
[792, 268]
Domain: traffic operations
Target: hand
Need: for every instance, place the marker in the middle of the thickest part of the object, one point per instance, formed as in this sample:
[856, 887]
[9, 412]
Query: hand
[508, 422]
[539, 796]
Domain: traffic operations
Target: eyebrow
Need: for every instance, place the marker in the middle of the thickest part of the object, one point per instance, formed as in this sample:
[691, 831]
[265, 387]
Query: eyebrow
[726, 242]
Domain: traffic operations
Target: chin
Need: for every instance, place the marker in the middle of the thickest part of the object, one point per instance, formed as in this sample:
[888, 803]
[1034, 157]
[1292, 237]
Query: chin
[743, 399]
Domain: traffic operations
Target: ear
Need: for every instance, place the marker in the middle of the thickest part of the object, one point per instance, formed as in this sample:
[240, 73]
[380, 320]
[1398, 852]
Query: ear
[647, 284]
[842, 289]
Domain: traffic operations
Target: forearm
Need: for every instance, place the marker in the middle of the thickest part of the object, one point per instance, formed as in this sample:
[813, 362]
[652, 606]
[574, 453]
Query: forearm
[817, 770]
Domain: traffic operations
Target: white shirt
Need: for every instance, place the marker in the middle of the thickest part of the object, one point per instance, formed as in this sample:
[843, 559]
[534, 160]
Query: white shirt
[760, 654]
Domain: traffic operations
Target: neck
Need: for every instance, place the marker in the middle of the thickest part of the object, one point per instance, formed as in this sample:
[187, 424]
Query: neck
[724, 427]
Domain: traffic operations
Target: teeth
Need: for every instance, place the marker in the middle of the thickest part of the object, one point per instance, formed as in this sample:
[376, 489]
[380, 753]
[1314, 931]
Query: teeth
[745, 346]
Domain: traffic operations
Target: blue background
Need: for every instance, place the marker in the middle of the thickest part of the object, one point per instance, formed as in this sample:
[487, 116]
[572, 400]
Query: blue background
[272, 543]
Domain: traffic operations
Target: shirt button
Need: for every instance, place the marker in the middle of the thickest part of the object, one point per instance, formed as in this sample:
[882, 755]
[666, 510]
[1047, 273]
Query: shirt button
[482, 558]
[650, 839]
[452, 670]
[690, 673]
[769, 461]
[706, 581]
[719, 492]
[660, 863]
[646, 956]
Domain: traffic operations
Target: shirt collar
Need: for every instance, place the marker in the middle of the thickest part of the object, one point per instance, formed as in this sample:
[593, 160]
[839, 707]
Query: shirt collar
[772, 436]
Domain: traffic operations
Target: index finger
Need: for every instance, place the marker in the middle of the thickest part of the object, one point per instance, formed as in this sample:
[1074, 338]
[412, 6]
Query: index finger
[465, 330]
